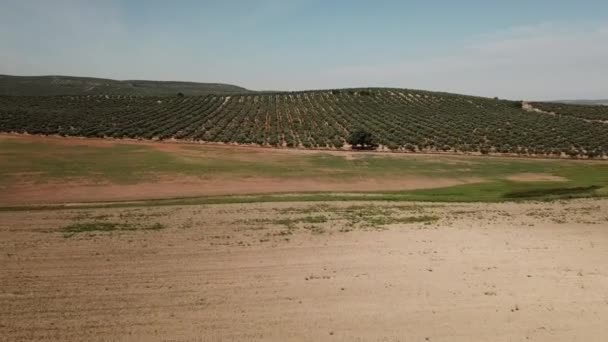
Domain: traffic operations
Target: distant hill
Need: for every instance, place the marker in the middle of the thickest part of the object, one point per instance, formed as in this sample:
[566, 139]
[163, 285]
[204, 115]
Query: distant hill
[584, 102]
[68, 85]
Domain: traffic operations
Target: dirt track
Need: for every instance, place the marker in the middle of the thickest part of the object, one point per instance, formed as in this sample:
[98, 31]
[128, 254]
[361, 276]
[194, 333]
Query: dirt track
[501, 272]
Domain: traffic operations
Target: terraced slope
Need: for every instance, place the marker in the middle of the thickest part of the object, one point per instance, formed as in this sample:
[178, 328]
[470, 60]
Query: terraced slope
[399, 119]
[68, 85]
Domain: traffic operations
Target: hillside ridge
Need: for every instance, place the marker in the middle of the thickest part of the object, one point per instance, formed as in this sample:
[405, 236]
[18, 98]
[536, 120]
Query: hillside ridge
[57, 85]
[597, 102]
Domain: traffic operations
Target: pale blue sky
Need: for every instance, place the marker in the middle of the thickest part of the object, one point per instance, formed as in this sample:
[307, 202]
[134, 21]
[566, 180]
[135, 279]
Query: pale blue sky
[543, 49]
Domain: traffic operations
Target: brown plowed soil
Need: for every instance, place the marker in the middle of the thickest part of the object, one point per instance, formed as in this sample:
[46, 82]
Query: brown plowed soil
[499, 272]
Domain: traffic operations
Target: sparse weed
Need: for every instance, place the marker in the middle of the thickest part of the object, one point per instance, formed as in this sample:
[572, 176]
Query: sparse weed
[100, 226]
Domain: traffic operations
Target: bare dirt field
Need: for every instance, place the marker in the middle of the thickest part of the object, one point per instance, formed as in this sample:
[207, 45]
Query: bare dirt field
[536, 177]
[335, 271]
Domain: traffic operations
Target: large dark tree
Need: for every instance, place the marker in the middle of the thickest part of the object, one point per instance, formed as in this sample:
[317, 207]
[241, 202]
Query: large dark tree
[361, 139]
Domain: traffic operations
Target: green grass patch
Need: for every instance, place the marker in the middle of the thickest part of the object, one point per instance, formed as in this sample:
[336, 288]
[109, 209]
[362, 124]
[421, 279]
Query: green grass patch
[341, 218]
[551, 192]
[100, 226]
[127, 163]
[289, 223]
[39, 162]
[504, 191]
[311, 219]
[387, 220]
[485, 192]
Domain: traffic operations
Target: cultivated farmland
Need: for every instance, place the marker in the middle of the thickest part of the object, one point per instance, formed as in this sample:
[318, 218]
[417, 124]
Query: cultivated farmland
[587, 112]
[399, 119]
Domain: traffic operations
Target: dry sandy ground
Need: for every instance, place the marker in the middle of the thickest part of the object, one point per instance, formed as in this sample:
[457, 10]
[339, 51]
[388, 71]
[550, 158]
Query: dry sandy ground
[536, 177]
[277, 272]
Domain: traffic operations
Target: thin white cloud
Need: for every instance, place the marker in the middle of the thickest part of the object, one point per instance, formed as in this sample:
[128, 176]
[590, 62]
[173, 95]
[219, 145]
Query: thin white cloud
[542, 62]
